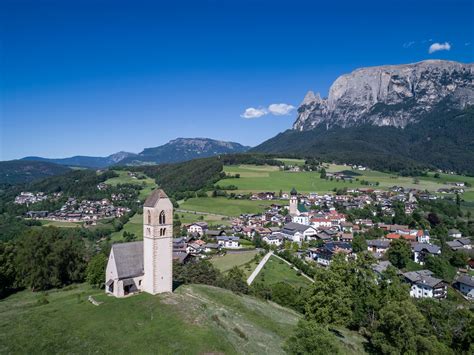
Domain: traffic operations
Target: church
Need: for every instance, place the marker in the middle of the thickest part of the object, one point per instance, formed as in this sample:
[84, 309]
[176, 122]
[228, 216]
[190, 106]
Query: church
[145, 265]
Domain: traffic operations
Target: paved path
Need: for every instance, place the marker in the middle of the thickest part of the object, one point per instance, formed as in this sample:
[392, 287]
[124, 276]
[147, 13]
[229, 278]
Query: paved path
[294, 267]
[259, 267]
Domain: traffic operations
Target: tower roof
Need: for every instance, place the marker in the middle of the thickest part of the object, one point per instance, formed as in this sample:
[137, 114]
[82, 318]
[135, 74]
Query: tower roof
[293, 192]
[154, 197]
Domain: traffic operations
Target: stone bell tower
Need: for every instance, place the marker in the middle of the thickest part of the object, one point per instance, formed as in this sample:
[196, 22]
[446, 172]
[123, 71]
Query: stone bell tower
[158, 243]
[293, 202]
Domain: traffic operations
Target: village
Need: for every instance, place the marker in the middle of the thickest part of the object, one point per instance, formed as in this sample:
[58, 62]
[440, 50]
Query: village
[85, 211]
[311, 225]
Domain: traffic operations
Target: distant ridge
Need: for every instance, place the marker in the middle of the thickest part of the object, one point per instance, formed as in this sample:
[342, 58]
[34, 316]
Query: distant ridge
[177, 150]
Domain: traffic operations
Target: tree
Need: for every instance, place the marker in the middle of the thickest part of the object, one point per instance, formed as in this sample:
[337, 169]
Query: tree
[359, 244]
[95, 272]
[234, 281]
[201, 272]
[329, 299]
[7, 268]
[286, 295]
[402, 329]
[311, 338]
[459, 259]
[399, 253]
[50, 257]
[323, 174]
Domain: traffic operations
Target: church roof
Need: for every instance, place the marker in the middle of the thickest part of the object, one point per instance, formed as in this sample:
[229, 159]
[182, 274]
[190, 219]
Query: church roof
[154, 197]
[128, 259]
[302, 208]
[293, 192]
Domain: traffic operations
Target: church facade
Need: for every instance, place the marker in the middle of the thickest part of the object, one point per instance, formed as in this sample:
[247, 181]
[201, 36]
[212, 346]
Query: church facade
[145, 265]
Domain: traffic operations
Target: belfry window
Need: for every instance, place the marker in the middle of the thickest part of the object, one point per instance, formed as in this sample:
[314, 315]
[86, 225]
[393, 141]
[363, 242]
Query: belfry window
[149, 217]
[162, 217]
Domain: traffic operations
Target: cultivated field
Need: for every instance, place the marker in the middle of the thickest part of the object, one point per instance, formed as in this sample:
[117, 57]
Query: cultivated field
[224, 206]
[270, 178]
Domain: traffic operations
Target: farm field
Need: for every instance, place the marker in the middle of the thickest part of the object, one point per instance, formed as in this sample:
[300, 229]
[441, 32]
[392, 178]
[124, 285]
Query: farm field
[228, 261]
[176, 323]
[276, 270]
[224, 206]
[270, 178]
[123, 178]
[61, 224]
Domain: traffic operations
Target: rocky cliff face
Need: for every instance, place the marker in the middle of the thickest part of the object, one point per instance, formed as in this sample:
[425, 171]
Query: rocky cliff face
[391, 95]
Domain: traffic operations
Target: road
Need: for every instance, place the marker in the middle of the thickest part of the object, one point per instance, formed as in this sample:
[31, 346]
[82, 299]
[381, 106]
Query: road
[259, 267]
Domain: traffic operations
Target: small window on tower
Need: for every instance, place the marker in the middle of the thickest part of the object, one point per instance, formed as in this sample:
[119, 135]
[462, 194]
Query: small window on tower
[162, 217]
[149, 217]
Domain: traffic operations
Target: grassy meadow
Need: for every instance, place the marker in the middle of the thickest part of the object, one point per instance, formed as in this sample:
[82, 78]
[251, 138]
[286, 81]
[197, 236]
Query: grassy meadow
[228, 261]
[276, 270]
[134, 225]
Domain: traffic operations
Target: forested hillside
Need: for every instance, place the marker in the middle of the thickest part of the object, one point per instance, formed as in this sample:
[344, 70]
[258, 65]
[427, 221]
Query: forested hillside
[20, 171]
[444, 139]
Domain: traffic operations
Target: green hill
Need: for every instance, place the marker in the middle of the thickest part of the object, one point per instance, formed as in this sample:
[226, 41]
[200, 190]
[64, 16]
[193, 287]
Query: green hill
[195, 319]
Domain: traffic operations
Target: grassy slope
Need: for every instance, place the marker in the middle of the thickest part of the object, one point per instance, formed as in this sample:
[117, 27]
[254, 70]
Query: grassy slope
[195, 319]
[228, 261]
[276, 270]
[134, 225]
[123, 178]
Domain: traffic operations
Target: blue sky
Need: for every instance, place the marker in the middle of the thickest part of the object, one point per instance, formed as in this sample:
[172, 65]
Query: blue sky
[95, 77]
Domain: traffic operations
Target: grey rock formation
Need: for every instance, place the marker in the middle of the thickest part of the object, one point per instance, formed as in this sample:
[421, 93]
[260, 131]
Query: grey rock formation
[389, 95]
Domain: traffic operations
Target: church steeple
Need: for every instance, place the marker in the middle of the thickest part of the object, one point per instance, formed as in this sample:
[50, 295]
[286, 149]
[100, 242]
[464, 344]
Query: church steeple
[293, 202]
[158, 243]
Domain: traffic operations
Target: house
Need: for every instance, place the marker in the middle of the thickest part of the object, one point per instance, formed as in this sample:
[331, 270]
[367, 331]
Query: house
[183, 258]
[422, 250]
[378, 245]
[211, 247]
[297, 232]
[274, 239]
[460, 244]
[454, 233]
[424, 285]
[301, 219]
[324, 254]
[381, 267]
[465, 285]
[197, 228]
[215, 233]
[228, 242]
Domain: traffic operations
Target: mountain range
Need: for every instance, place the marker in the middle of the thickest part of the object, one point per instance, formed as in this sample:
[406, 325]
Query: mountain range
[390, 118]
[177, 150]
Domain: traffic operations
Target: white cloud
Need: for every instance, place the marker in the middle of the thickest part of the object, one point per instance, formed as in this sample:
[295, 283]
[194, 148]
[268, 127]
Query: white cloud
[439, 47]
[252, 112]
[408, 44]
[280, 109]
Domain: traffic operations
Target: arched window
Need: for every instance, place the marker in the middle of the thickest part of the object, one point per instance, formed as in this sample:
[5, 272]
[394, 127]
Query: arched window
[162, 217]
[149, 217]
